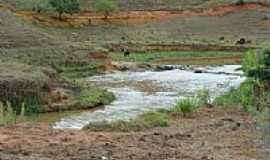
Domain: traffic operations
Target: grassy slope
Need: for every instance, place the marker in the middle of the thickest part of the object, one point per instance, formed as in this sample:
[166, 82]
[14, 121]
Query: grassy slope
[206, 30]
[29, 54]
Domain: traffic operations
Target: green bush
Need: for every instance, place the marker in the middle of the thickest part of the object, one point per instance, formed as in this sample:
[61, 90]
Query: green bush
[253, 94]
[105, 7]
[256, 64]
[185, 106]
[65, 6]
[250, 62]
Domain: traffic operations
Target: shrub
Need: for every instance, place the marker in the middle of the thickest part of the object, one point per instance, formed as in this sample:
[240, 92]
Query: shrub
[185, 106]
[256, 65]
[65, 6]
[105, 7]
[250, 62]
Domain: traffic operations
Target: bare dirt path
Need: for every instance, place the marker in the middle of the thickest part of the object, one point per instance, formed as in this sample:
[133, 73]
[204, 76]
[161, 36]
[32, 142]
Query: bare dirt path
[134, 17]
[211, 134]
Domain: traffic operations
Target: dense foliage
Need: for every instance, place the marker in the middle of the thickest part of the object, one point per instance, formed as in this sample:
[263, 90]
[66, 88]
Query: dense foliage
[254, 93]
[65, 6]
[256, 64]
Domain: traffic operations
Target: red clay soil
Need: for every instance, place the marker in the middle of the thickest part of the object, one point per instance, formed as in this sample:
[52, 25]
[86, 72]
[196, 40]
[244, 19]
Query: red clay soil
[133, 17]
[210, 134]
[98, 55]
[104, 58]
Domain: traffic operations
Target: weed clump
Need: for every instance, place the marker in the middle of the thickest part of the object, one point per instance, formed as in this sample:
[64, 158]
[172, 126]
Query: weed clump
[185, 107]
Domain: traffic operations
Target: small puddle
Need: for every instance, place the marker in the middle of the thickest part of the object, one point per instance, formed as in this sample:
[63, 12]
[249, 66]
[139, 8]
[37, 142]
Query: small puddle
[137, 92]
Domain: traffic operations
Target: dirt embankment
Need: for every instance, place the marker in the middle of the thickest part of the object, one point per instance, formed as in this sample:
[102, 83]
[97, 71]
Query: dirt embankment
[133, 17]
[210, 134]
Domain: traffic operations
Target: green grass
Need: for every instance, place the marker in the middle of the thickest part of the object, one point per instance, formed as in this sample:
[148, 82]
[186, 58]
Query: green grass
[185, 107]
[92, 97]
[72, 72]
[145, 121]
[242, 96]
[151, 56]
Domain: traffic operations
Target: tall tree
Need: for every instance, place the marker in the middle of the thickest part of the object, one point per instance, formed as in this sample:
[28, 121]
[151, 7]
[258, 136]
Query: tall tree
[65, 6]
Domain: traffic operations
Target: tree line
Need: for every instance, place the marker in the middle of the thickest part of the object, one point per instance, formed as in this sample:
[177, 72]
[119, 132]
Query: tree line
[105, 7]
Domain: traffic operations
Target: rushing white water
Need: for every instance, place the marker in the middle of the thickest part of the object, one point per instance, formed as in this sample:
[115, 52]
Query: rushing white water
[137, 92]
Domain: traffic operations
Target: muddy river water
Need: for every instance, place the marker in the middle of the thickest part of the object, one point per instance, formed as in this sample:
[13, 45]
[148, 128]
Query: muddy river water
[137, 92]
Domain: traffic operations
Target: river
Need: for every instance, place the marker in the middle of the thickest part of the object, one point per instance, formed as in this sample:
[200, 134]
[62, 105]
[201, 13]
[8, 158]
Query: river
[138, 92]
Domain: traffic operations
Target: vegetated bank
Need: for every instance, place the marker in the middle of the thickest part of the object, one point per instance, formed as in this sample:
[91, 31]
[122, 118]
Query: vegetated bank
[252, 96]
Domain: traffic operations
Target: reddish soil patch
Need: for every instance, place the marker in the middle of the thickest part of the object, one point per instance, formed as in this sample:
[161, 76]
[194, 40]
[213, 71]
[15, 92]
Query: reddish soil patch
[211, 134]
[133, 17]
[103, 57]
[201, 60]
[222, 10]
[98, 56]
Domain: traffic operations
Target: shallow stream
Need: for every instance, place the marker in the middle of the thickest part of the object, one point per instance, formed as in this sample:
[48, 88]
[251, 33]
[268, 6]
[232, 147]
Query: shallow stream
[137, 92]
